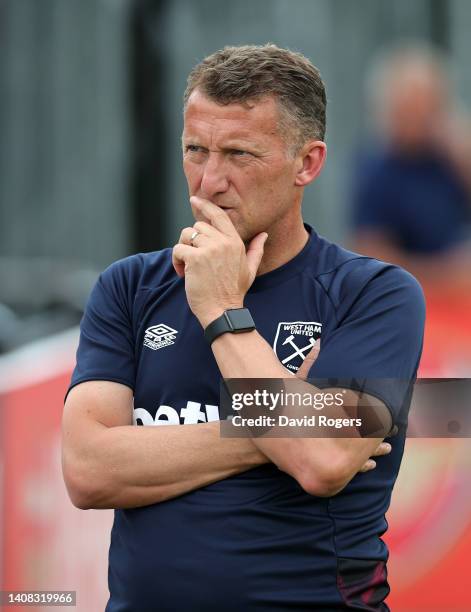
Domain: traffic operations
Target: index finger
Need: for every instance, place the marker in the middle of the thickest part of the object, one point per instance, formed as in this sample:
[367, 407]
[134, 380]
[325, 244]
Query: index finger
[215, 215]
[384, 448]
[309, 360]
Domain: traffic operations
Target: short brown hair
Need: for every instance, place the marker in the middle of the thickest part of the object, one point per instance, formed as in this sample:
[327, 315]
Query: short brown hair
[251, 72]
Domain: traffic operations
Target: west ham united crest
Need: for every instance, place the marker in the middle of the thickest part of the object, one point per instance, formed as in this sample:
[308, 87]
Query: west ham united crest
[294, 340]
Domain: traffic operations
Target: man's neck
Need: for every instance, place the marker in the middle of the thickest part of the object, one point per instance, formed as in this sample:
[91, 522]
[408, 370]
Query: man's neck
[284, 242]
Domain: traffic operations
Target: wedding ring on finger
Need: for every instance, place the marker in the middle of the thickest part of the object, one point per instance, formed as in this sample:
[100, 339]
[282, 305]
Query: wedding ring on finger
[193, 236]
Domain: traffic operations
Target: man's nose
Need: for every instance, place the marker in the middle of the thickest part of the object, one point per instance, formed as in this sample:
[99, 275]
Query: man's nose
[214, 179]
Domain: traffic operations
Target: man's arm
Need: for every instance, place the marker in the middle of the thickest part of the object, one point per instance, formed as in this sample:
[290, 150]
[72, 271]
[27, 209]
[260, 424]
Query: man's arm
[110, 463]
[107, 461]
[322, 466]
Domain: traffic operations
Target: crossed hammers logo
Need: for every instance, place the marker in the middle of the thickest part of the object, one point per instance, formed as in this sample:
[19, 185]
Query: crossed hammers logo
[301, 352]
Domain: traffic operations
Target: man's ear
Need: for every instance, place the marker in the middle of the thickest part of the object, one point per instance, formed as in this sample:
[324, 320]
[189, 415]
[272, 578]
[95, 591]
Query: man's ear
[311, 159]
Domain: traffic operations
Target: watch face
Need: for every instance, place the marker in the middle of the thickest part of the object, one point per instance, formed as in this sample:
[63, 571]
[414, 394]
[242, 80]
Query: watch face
[240, 319]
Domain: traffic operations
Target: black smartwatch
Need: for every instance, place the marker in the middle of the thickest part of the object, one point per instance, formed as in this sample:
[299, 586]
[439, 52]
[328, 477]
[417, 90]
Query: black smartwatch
[234, 321]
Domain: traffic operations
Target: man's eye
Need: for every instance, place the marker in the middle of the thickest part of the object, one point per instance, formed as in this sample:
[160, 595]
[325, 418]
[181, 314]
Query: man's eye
[239, 152]
[193, 148]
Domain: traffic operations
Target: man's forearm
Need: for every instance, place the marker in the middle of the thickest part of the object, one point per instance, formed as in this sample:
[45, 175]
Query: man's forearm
[129, 466]
[249, 356]
[321, 465]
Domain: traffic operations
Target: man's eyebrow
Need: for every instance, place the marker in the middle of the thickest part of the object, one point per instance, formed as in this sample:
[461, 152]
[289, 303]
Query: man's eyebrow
[192, 139]
[241, 143]
[230, 144]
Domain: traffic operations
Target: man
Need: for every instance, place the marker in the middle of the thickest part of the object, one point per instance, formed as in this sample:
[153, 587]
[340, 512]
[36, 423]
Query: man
[207, 522]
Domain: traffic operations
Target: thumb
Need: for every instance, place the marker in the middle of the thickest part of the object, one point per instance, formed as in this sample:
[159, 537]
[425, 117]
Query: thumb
[255, 252]
[309, 360]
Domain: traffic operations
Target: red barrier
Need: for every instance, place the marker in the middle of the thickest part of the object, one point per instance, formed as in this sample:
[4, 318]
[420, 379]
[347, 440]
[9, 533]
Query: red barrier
[47, 543]
[430, 516]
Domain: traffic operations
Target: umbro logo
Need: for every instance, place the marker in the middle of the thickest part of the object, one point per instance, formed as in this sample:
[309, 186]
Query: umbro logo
[159, 336]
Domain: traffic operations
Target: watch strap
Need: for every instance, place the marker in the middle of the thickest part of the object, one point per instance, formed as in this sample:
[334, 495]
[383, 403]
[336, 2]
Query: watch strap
[233, 320]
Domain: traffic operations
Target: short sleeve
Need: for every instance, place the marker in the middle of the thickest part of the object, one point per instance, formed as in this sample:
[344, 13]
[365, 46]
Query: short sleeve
[378, 341]
[106, 345]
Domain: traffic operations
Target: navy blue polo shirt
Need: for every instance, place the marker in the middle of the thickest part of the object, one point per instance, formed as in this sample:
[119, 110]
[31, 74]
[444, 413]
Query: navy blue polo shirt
[257, 540]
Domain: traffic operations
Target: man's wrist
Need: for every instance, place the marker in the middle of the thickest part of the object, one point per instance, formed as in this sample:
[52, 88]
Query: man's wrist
[233, 321]
[211, 315]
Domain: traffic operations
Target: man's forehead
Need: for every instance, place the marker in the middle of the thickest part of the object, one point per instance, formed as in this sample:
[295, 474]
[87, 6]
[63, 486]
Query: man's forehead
[236, 119]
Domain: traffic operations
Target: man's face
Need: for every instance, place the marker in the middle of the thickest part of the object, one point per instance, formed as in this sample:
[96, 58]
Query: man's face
[235, 157]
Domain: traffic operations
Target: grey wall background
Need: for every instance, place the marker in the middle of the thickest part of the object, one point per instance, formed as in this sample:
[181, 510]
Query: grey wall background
[64, 128]
[73, 137]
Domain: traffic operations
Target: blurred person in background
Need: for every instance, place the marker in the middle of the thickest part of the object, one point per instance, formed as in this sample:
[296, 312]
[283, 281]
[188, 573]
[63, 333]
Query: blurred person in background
[412, 187]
